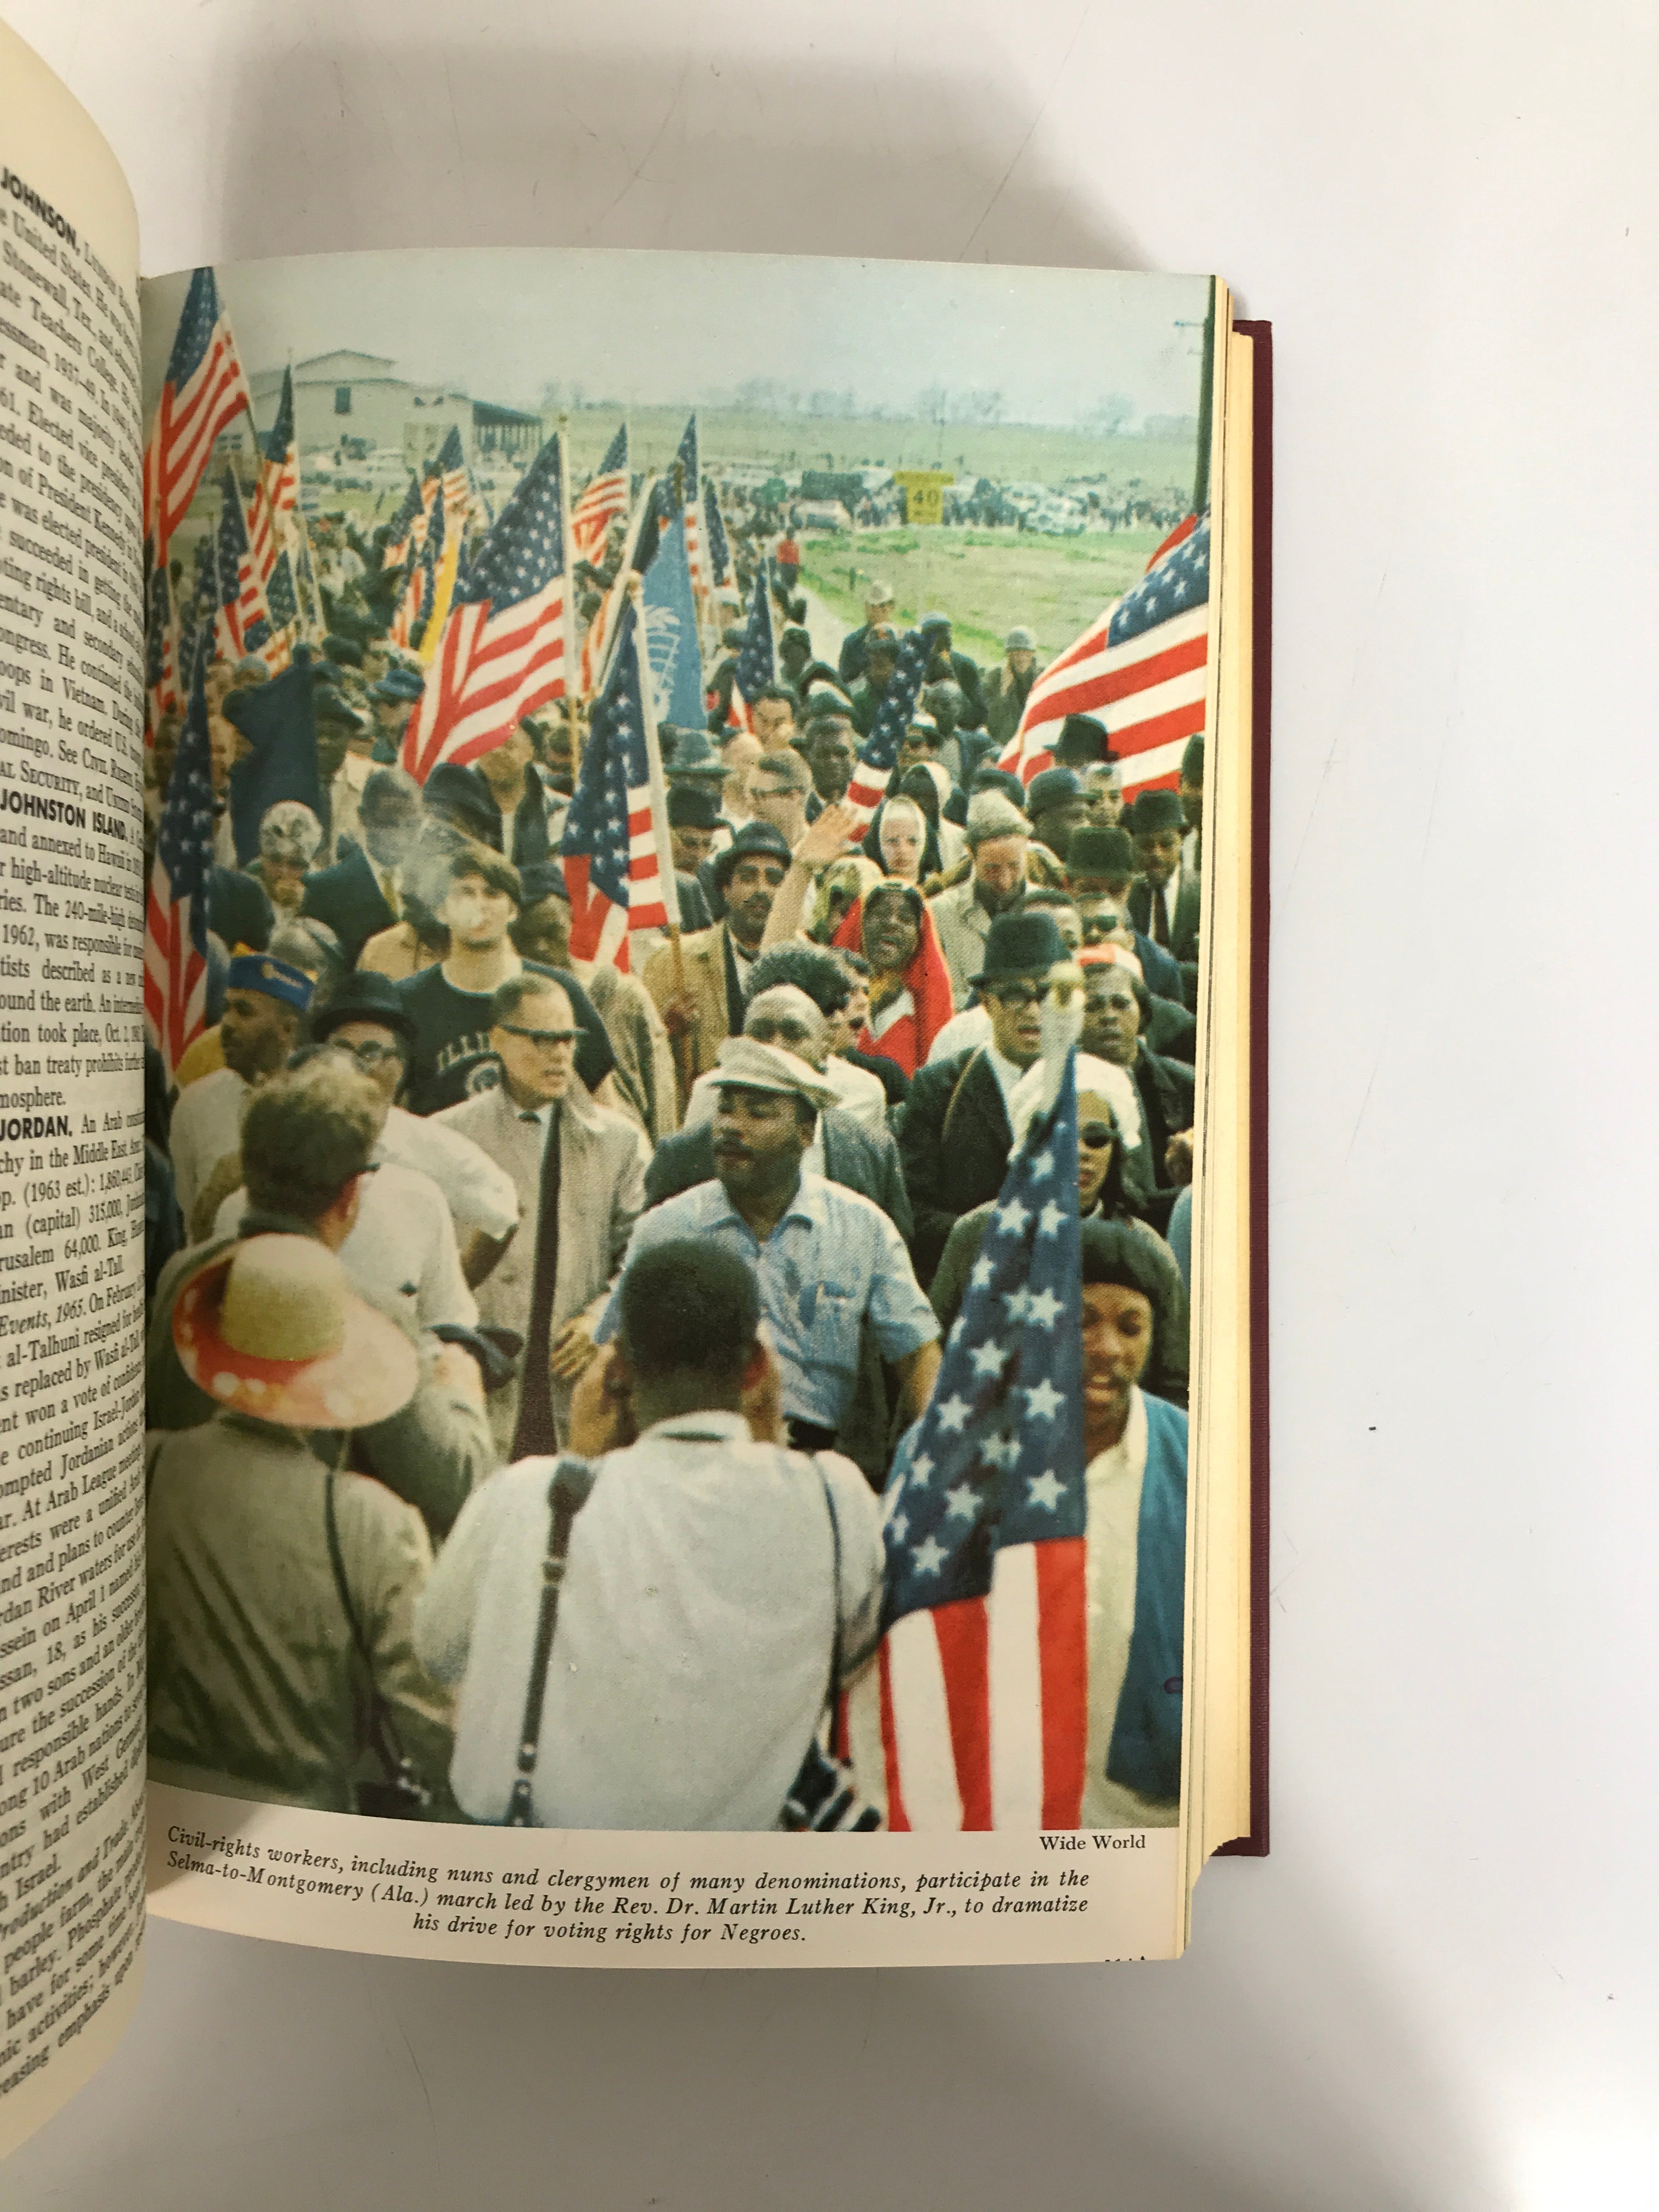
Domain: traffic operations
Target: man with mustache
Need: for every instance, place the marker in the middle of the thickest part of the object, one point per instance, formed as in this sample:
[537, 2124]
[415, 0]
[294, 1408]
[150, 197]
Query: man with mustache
[715, 962]
[957, 1136]
[826, 1259]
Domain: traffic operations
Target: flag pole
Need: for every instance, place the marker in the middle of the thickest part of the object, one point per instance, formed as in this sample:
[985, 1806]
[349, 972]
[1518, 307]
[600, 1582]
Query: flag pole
[571, 702]
[670, 890]
[1206, 409]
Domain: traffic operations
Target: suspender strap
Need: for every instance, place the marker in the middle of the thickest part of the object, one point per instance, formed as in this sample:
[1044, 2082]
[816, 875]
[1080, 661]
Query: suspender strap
[567, 1493]
[384, 1739]
[835, 1595]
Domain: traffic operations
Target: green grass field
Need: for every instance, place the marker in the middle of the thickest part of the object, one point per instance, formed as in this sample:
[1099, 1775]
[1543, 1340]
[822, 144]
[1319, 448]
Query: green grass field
[1011, 453]
[986, 581]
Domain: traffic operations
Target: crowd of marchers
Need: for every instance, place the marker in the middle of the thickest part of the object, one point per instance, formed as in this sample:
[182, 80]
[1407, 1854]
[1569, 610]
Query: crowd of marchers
[430, 1204]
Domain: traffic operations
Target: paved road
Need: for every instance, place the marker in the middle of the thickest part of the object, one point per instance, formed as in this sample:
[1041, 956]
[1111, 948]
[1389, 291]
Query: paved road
[827, 627]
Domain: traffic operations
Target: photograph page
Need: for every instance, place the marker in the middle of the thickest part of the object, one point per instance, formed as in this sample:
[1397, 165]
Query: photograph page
[676, 1014]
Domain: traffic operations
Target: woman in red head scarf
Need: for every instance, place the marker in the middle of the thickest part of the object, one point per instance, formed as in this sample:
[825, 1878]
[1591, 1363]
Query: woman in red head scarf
[910, 998]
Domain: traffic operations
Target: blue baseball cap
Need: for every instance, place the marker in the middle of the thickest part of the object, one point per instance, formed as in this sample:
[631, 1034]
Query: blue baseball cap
[273, 979]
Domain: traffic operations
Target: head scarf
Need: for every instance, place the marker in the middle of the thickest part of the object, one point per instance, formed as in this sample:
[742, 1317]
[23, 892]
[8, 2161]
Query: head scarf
[903, 1029]
[854, 874]
[931, 859]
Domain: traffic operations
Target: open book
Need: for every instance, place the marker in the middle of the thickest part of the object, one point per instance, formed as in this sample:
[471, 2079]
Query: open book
[632, 968]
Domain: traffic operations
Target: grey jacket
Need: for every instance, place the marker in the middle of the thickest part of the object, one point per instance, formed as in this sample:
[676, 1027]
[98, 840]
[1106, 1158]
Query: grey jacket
[602, 1163]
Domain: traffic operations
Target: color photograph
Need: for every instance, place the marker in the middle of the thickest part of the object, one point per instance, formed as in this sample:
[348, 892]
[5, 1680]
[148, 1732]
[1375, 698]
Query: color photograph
[674, 840]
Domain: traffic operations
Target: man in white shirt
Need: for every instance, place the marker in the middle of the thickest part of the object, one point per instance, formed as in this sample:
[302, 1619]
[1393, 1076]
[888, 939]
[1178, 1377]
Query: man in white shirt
[796, 992]
[402, 1244]
[365, 1016]
[1165, 898]
[710, 1576]
[264, 1001]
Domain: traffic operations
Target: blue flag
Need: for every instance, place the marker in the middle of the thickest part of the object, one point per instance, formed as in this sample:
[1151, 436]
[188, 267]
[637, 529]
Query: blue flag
[677, 685]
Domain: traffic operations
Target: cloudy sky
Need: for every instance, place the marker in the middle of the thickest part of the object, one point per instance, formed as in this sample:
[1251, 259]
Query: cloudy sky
[645, 328]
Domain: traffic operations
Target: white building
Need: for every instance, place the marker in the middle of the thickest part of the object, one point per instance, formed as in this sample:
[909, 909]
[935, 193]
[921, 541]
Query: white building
[357, 401]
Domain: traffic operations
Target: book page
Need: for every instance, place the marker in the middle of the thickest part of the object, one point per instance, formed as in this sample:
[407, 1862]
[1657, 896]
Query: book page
[669, 1432]
[72, 1119]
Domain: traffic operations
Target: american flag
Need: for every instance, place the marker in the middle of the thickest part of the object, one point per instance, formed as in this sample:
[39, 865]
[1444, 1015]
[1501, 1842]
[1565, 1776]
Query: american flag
[396, 550]
[456, 483]
[696, 560]
[280, 595]
[203, 392]
[1140, 669]
[616, 829]
[160, 649]
[273, 512]
[983, 1665]
[420, 579]
[502, 652]
[175, 913]
[639, 545]
[241, 603]
[720, 546]
[879, 751]
[602, 499]
[758, 658]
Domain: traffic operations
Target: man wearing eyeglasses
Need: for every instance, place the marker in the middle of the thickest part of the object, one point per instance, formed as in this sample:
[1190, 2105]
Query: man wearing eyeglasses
[957, 1136]
[579, 1171]
[366, 1017]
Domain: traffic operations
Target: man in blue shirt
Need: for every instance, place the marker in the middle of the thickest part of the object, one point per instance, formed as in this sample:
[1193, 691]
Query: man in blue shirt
[826, 1259]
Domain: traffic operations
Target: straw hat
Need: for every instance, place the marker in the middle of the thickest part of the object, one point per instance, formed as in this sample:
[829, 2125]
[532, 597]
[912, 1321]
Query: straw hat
[272, 1327]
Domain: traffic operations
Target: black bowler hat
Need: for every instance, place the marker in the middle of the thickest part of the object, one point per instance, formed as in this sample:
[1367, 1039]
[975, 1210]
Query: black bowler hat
[755, 840]
[1021, 944]
[692, 754]
[1082, 739]
[541, 879]
[329, 705]
[405, 685]
[1091, 851]
[1158, 810]
[691, 809]
[1054, 787]
[363, 996]
[462, 793]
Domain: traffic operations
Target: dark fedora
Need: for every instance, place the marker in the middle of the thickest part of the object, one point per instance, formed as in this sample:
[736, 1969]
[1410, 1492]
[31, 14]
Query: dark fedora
[1094, 851]
[460, 794]
[689, 808]
[1158, 810]
[692, 753]
[1056, 787]
[755, 840]
[363, 996]
[1020, 945]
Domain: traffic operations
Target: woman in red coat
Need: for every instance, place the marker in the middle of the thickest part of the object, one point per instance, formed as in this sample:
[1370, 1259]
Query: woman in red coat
[910, 998]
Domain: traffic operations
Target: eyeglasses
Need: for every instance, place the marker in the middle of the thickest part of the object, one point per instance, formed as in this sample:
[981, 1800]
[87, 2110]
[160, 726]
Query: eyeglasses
[1019, 994]
[370, 1055]
[765, 1032]
[543, 1039]
[1096, 1135]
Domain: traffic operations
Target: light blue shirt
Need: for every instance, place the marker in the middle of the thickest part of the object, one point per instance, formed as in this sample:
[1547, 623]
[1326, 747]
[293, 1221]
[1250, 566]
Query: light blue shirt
[834, 1261]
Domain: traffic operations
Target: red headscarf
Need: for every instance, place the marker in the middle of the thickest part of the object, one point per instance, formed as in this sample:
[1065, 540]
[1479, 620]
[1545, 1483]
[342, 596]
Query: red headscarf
[903, 1031]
